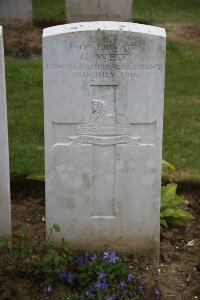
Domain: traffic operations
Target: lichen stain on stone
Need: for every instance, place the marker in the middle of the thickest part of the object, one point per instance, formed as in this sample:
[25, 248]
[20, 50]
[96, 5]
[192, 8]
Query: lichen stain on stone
[130, 245]
[86, 180]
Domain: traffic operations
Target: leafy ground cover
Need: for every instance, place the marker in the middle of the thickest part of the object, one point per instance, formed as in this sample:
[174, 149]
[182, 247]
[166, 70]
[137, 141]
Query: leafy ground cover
[176, 275]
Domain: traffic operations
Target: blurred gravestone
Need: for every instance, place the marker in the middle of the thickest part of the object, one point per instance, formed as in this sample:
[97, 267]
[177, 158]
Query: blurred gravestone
[103, 92]
[5, 224]
[98, 10]
[16, 13]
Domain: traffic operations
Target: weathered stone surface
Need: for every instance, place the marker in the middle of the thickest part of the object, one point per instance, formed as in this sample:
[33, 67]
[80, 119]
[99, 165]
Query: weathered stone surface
[98, 10]
[103, 92]
[17, 13]
[5, 223]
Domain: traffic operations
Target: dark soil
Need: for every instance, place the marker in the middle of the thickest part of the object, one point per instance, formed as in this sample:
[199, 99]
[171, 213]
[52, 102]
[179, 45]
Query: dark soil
[183, 32]
[23, 43]
[177, 274]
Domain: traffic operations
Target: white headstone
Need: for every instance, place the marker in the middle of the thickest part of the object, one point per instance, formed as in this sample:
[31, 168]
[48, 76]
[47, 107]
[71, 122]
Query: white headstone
[103, 92]
[5, 221]
[98, 10]
[17, 13]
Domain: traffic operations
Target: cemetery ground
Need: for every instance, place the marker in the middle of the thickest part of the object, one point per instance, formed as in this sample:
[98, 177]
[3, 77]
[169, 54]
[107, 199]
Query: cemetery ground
[177, 274]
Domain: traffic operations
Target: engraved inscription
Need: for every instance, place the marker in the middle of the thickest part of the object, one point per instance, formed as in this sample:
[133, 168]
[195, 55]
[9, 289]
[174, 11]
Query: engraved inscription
[105, 70]
[104, 128]
[111, 57]
[112, 60]
[99, 140]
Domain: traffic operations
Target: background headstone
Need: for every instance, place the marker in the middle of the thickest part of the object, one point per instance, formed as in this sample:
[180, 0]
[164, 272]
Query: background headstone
[5, 221]
[103, 92]
[98, 10]
[17, 13]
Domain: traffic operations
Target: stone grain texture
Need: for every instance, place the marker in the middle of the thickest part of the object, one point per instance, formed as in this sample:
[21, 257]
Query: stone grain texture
[103, 99]
[98, 10]
[16, 13]
[5, 213]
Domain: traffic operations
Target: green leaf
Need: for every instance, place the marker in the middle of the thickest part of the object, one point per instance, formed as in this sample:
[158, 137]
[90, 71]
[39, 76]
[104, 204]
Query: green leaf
[22, 232]
[56, 228]
[47, 257]
[163, 223]
[38, 177]
[167, 165]
[177, 213]
[10, 245]
[56, 260]
[3, 244]
[177, 222]
[47, 269]
[169, 198]
[177, 217]
[49, 280]
[65, 246]
[166, 177]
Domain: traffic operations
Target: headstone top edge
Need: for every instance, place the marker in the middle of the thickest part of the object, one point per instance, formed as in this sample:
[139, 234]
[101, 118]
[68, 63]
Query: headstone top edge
[104, 25]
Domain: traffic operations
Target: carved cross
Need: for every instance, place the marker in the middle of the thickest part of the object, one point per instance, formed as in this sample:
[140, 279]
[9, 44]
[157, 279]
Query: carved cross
[105, 129]
[104, 161]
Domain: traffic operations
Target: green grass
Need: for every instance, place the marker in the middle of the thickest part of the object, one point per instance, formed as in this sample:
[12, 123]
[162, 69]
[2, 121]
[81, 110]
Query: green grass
[49, 10]
[182, 101]
[182, 111]
[182, 108]
[25, 114]
[166, 11]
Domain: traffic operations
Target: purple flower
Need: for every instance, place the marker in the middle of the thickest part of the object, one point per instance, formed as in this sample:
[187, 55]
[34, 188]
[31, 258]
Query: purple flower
[70, 278]
[157, 292]
[122, 283]
[141, 287]
[101, 275]
[62, 276]
[49, 289]
[106, 255]
[101, 285]
[131, 277]
[66, 276]
[104, 285]
[80, 260]
[87, 255]
[110, 256]
[83, 259]
[94, 257]
[98, 285]
[113, 257]
[90, 289]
